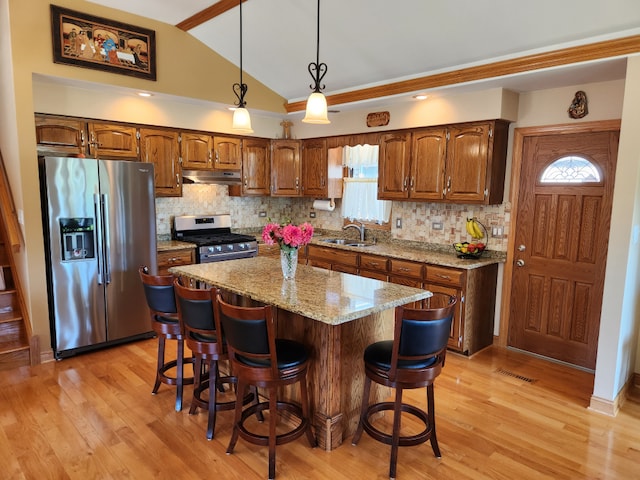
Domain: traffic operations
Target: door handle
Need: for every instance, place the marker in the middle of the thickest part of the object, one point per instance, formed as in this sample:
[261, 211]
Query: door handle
[520, 262]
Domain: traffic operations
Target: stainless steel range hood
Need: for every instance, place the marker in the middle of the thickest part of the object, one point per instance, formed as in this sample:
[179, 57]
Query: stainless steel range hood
[212, 177]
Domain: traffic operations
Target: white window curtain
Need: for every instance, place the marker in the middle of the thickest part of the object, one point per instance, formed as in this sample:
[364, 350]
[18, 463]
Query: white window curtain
[359, 197]
[360, 156]
[359, 201]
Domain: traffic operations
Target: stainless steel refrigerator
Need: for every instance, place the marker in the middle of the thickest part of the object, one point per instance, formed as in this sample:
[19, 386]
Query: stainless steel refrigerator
[100, 227]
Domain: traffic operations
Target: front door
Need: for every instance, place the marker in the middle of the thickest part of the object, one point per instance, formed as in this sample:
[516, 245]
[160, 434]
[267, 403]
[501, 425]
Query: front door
[561, 237]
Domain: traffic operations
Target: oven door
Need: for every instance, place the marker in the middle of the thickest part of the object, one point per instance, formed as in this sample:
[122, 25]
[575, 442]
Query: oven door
[218, 257]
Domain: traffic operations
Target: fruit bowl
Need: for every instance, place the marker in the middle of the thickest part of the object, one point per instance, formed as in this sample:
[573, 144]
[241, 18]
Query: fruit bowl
[469, 250]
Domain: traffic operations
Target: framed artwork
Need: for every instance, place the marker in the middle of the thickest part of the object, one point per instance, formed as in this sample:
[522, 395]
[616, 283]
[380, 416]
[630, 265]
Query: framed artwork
[94, 42]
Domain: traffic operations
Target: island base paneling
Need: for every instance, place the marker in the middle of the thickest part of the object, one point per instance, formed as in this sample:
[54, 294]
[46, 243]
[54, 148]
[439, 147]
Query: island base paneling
[336, 371]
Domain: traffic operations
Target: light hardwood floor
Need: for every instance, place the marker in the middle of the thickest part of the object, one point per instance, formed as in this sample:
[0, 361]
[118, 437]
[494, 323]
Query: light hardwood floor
[93, 417]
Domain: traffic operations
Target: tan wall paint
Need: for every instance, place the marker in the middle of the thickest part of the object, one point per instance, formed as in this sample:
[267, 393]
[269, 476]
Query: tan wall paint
[200, 74]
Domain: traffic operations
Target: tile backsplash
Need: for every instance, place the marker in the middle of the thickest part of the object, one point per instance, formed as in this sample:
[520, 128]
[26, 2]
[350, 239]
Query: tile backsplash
[417, 218]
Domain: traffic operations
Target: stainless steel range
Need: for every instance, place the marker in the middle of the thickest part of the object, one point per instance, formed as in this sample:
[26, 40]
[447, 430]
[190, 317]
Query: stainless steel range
[213, 237]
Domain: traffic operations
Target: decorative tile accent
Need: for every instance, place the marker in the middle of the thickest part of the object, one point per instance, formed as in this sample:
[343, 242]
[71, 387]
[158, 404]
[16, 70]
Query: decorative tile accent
[417, 217]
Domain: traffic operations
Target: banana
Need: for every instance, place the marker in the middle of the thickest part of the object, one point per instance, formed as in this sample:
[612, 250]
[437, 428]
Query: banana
[474, 229]
[469, 226]
[478, 230]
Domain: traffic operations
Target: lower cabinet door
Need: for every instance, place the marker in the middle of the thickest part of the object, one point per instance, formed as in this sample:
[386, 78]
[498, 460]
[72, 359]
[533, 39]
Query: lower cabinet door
[456, 336]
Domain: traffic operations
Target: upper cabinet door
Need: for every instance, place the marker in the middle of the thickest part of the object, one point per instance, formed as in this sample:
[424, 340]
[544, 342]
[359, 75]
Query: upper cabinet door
[161, 147]
[256, 166]
[196, 151]
[315, 168]
[60, 135]
[111, 140]
[227, 153]
[393, 166]
[467, 163]
[285, 168]
[428, 157]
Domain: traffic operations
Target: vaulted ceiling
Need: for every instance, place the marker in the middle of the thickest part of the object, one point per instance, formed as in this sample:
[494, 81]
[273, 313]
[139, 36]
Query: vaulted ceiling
[379, 48]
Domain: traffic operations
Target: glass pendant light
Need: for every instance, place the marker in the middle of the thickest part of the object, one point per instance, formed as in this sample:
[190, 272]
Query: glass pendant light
[241, 118]
[317, 103]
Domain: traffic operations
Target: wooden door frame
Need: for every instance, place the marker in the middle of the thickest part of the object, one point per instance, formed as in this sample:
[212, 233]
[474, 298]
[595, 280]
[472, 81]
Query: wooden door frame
[520, 134]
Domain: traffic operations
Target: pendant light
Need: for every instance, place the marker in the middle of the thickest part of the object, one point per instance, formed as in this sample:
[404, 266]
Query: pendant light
[317, 103]
[241, 118]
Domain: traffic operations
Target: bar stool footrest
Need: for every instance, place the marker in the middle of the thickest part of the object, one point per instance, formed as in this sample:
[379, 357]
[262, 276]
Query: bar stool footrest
[286, 437]
[403, 441]
[172, 380]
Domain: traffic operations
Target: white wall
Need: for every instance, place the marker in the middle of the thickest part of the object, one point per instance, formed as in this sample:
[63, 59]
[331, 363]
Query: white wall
[618, 342]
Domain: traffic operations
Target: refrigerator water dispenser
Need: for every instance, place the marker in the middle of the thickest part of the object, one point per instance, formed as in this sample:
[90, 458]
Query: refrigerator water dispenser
[78, 240]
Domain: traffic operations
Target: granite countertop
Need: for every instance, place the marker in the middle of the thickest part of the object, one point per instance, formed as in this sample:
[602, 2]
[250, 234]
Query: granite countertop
[323, 295]
[435, 254]
[418, 252]
[168, 245]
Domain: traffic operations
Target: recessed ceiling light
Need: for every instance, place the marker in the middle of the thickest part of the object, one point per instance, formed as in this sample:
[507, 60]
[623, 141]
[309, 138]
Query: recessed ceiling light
[421, 96]
[145, 94]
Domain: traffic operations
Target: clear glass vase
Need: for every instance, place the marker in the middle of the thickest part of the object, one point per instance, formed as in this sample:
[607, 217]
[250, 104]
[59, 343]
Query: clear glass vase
[289, 262]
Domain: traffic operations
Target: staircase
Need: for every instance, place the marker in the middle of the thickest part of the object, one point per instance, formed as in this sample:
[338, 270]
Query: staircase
[16, 340]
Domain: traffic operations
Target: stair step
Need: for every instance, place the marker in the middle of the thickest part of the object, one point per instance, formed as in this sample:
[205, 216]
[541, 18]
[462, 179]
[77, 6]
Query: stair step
[14, 346]
[16, 358]
[10, 317]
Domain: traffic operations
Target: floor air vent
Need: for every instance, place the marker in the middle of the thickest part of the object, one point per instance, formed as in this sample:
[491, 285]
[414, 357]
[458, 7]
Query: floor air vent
[515, 375]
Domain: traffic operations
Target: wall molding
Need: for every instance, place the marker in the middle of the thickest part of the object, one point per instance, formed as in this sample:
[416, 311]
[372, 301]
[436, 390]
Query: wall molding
[565, 56]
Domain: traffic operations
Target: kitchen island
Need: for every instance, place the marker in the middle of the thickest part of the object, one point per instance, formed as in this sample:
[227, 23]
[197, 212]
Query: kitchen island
[335, 315]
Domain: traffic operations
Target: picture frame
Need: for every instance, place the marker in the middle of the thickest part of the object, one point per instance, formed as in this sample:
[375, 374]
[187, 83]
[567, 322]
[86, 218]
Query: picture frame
[98, 43]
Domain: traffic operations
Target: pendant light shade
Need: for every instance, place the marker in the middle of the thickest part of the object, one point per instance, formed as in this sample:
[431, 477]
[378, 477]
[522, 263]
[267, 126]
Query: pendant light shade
[316, 109]
[241, 119]
[317, 103]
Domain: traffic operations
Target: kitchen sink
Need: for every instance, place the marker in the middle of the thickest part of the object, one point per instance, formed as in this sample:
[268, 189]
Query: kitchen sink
[345, 242]
[337, 241]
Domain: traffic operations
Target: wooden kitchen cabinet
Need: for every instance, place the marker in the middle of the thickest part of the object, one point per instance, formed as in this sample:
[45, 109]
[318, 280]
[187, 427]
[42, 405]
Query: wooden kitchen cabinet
[472, 327]
[173, 258]
[265, 250]
[461, 163]
[196, 150]
[112, 140]
[374, 266]
[285, 168]
[256, 167]
[476, 162]
[321, 171]
[305, 168]
[404, 272]
[428, 164]
[161, 147]
[343, 261]
[394, 166]
[227, 153]
[475, 288]
[60, 135]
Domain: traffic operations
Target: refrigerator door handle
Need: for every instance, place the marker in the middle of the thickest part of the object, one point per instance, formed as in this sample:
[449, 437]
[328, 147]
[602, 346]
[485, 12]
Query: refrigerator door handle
[100, 244]
[106, 237]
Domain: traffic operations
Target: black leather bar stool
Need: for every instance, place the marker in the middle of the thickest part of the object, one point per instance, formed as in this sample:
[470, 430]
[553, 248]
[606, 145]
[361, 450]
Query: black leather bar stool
[413, 359]
[158, 290]
[260, 359]
[195, 313]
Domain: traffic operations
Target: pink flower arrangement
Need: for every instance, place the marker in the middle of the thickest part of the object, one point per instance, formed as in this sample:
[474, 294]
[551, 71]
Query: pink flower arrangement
[288, 236]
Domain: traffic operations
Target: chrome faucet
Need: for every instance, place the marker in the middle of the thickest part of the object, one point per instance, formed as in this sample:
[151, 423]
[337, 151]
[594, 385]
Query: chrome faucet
[360, 229]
